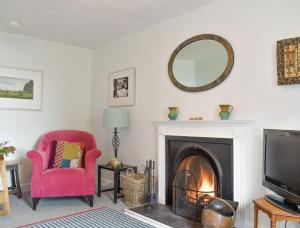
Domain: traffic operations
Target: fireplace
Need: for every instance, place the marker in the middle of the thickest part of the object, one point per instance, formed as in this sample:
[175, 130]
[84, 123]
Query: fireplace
[239, 167]
[197, 168]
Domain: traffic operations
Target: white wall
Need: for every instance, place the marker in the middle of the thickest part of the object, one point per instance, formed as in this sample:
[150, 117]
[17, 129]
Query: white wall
[252, 28]
[66, 92]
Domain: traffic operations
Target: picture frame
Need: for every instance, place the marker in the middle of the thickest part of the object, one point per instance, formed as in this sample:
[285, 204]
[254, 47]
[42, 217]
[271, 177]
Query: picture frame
[121, 86]
[288, 61]
[20, 88]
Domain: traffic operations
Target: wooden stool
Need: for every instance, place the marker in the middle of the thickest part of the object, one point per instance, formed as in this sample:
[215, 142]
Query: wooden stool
[275, 214]
[4, 200]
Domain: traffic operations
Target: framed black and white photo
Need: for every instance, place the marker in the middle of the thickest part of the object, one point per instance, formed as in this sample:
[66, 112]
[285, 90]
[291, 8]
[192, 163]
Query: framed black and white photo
[20, 88]
[122, 88]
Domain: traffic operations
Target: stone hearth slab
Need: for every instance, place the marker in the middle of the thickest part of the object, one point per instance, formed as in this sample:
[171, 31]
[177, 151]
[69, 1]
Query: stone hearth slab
[163, 215]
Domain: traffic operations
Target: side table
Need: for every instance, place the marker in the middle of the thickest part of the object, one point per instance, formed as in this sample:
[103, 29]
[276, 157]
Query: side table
[274, 213]
[13, 167]
[117, 171]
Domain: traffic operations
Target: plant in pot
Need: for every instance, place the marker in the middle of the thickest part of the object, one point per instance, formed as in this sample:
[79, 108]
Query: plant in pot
[5, 149]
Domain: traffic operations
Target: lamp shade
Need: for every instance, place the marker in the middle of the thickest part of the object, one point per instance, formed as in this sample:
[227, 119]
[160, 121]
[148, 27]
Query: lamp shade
[115, 117]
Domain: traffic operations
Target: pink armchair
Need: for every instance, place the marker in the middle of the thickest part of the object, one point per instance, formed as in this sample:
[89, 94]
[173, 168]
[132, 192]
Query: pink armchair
[59, 182]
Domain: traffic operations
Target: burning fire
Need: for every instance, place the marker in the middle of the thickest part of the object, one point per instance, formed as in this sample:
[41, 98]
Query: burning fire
[206, 183]
[205, 179]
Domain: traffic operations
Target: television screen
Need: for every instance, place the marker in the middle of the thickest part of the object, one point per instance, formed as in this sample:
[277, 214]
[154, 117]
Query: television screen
[282, 160]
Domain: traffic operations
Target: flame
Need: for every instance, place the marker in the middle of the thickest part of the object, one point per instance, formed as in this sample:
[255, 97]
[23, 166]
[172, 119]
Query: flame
[206, 183]
[206, 180]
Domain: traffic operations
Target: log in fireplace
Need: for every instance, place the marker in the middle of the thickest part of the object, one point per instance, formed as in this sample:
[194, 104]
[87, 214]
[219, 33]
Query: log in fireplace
[197, 168]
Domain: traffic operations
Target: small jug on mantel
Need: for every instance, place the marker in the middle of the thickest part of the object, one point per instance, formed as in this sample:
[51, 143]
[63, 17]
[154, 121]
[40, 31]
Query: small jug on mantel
[226, 110]
[173, 114]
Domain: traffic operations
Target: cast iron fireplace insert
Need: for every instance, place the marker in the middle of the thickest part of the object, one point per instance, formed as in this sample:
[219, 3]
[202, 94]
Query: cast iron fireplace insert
[197, 168]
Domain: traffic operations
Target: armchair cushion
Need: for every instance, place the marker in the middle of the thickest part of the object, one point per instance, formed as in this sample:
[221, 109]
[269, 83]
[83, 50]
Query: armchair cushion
[64, 182]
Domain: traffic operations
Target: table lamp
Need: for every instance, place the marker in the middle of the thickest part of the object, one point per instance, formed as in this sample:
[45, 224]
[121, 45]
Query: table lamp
[115, 118]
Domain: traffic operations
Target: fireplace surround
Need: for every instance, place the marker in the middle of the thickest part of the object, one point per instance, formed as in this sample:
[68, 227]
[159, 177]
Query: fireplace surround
[242, 134]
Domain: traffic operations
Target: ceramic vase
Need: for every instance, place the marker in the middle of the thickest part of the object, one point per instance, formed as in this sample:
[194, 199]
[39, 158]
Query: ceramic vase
[173, 114]
[226, 110]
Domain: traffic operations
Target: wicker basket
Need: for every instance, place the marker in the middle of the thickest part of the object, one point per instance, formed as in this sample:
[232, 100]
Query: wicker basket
[133, 185]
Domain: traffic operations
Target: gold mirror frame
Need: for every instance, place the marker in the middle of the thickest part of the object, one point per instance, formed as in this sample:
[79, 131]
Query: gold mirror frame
[216, 82]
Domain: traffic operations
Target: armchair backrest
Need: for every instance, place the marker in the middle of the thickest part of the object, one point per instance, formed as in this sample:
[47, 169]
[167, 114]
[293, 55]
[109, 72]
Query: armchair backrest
[47, 142]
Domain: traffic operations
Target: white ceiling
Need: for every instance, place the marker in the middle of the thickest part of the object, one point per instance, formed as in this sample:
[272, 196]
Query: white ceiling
[89, 23]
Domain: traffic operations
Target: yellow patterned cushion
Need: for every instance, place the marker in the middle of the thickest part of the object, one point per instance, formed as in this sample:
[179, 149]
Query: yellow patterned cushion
[68, 154]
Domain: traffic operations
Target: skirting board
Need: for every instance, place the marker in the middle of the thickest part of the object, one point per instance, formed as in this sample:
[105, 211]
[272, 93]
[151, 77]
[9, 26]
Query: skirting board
[145, 219]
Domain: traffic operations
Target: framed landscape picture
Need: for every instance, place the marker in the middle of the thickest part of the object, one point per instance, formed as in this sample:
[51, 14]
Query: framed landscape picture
[20, 88]
[122, 88]
[288, 61]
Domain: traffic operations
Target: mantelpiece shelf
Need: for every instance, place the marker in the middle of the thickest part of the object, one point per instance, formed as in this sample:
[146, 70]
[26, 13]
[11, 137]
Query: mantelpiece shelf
[204, 122]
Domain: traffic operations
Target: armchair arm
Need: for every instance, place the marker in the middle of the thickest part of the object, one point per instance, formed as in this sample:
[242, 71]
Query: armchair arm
[39, 161]
[90, 161]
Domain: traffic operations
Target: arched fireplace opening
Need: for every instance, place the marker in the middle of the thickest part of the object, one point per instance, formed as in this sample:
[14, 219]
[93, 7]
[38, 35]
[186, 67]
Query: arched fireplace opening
[198, 175]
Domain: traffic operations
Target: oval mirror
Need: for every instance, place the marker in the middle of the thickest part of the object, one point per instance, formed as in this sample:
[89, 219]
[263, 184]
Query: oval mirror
[201, 63]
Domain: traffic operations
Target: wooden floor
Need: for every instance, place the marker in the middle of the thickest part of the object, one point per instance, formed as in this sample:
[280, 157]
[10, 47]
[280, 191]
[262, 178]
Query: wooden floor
[164, 214]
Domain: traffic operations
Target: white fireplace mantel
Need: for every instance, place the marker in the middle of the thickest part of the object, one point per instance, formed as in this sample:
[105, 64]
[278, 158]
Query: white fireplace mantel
[244, 150]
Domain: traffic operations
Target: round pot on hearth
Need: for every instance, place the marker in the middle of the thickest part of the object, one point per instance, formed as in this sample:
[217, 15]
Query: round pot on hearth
[218, 213]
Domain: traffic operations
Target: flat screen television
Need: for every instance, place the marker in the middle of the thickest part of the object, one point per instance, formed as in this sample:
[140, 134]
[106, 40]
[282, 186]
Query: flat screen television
[282, 168]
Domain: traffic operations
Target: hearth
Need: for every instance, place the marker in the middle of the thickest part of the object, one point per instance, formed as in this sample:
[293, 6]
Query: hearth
[196, 169]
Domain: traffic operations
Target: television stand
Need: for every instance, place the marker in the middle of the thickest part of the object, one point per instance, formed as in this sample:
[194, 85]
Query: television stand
[275, 213]
[283, 204]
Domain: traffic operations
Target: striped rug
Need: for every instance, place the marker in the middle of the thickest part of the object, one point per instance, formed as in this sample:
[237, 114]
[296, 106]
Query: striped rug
[95, 218]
